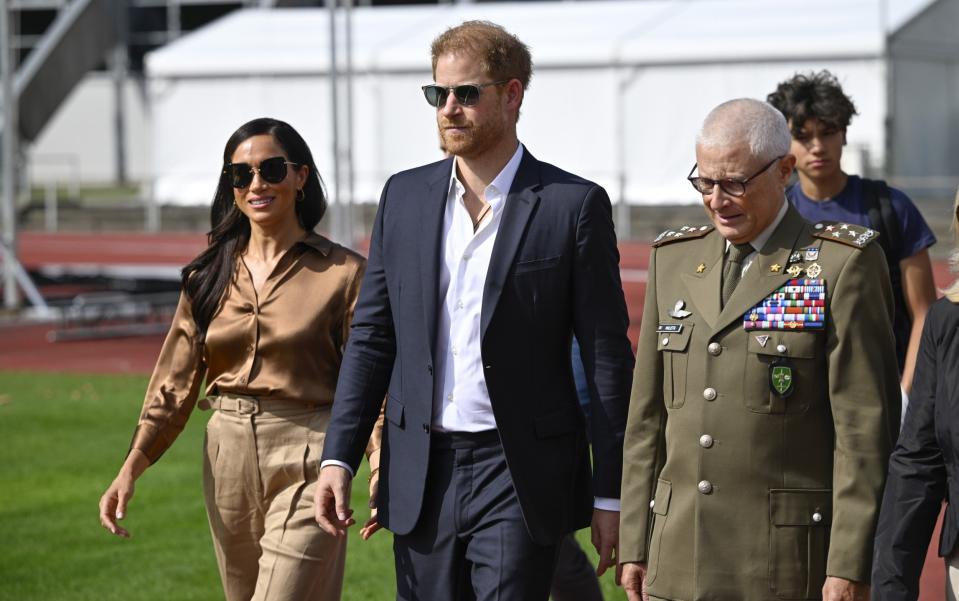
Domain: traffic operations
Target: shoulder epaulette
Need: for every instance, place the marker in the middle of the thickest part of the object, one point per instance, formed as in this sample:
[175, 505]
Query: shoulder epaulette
[847, 233]
[687, 232]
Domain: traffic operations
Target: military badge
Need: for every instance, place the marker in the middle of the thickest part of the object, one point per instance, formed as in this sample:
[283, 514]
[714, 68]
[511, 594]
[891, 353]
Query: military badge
[800, 304]
[814, 270]
[794, 270]
[795, 257]
[781, 377]
[811, 253]
[678, 311]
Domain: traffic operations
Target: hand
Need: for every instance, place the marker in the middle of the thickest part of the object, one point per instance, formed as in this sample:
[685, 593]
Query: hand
[634, 581]
[372, 524]
[331, 500]
[113, 503]
[840, 589]
[605, 537]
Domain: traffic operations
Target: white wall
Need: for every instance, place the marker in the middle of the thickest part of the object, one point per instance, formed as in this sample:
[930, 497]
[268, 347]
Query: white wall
[78, 144]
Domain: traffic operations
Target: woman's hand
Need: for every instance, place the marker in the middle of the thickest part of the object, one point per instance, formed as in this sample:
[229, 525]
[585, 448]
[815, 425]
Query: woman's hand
[372, 524]
[113, 503]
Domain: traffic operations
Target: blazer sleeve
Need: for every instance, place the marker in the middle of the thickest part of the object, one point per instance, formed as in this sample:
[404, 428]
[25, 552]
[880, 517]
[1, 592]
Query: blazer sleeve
[644, 452]
[916, 483]
[367, 360]
[863, 386]
[600, 321]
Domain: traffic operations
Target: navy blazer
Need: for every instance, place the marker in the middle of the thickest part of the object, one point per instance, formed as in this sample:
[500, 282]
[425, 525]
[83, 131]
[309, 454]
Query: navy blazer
[554, 270]
[923, 467]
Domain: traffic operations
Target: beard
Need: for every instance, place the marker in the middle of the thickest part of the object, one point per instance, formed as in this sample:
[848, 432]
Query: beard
[473, 140]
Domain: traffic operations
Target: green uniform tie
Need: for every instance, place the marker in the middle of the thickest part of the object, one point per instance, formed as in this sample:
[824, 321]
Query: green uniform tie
[733, 269]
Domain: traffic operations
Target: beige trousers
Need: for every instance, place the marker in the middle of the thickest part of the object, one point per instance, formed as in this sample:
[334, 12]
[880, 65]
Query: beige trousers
[259, 475]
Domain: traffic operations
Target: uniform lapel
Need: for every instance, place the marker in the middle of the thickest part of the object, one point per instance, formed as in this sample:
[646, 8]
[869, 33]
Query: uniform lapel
[704, 287]
[767, 272]
[432, 210]
[517, 210]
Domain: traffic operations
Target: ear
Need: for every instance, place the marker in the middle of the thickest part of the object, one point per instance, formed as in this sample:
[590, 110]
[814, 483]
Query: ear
[514, 94]
[301, 176]
[786, 166]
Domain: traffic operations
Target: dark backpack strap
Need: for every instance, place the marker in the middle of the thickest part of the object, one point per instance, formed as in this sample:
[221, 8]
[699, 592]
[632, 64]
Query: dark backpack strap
[882, 217]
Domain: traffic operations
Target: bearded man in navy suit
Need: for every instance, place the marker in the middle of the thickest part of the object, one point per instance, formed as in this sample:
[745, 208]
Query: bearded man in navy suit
[481, 268]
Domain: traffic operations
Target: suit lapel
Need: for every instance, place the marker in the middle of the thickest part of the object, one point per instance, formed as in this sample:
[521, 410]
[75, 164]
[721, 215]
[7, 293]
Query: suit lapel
[432, 211]
[767, 272]
[704, 287]
[518, 208]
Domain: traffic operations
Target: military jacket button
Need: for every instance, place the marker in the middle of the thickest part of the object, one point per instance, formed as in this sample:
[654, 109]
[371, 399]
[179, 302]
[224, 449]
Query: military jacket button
[705, 487]
[709, 394]
[817, 517]
[781, 348]
[706, 441]
[665, 340]
[714, 348]
[652, 503]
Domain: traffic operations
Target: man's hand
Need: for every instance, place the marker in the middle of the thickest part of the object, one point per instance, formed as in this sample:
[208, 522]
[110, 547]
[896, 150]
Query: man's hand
[634, 581]
[605, 537]
[840, 589]
[332, 500]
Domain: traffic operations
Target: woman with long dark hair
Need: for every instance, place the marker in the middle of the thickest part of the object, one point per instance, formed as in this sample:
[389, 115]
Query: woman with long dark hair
[263, 316]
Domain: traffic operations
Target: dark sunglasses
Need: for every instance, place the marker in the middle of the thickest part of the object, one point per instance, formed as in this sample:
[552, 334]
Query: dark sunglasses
[272, 170]
[466, 94]
[733, 187]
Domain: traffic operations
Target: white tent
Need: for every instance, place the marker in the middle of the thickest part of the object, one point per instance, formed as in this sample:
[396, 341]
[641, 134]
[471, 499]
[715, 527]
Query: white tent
[618, 92]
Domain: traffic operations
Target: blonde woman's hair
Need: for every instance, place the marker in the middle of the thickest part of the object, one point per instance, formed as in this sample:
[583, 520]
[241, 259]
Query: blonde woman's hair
[952, 292]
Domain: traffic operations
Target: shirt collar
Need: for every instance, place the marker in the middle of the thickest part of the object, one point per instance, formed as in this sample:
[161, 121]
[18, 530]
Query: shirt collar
[501, 184]
[317, 243]
[760, 241]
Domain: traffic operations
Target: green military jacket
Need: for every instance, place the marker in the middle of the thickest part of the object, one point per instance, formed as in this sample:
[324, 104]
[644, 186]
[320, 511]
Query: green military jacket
[758, 434]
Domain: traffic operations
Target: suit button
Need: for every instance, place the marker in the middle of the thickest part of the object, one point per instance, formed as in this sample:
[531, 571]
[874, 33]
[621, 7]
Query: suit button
[817, 517]
[426, 428]
[705, 487]
[709, 394]
[487, 367]
[714, 348]
[706, 441]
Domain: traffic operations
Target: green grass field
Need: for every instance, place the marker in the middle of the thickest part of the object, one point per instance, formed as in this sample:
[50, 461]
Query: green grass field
[62, 438]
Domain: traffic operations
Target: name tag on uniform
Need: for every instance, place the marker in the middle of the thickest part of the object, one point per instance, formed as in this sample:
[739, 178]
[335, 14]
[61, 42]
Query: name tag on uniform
[669, 328]
[799, 305]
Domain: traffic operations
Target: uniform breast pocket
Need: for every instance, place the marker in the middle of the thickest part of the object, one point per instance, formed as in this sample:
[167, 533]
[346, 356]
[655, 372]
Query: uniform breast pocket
[799, 522]
[674, 345]
[781, 371]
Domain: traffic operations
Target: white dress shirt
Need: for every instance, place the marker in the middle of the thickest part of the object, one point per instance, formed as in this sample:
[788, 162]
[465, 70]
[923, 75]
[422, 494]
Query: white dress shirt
[461, 400]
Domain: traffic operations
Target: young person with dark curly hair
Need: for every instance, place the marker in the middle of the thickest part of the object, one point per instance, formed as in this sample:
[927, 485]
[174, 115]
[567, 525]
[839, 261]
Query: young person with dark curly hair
[818, 113]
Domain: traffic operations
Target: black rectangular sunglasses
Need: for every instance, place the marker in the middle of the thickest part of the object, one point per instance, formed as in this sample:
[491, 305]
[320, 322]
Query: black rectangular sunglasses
[272, 170]
[466, 94]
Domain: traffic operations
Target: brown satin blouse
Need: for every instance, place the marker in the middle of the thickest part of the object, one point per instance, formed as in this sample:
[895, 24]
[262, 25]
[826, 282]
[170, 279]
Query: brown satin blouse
[285, 343]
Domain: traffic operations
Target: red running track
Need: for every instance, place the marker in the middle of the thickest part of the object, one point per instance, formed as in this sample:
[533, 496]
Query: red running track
[26, 347]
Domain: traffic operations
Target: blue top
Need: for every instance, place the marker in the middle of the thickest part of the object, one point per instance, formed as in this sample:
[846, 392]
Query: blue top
[848, 206]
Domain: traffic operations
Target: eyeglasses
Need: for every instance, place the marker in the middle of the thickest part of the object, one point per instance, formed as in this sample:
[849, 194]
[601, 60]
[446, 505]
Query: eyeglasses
[466, 94]
[272, 170]
[733, 187]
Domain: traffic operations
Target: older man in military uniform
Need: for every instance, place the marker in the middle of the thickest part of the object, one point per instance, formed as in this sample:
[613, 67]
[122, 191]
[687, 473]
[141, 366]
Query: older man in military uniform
[759, 424]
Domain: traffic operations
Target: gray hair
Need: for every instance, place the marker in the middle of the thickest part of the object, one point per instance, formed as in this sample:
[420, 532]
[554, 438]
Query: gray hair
[750, 121]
